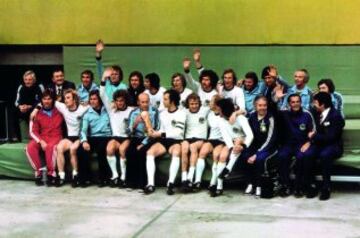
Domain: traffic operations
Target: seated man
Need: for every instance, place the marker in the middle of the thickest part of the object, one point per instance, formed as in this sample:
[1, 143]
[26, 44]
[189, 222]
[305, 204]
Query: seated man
[27, 97]
[195, 135]
[136, 87]
[299, 126]
[154, 90]
[252, 88]
[119, 119]
[46, 132]
[262, 148]
[237, 136]
[94, 136]
[329, 127]
[328, 86]
[171, 133]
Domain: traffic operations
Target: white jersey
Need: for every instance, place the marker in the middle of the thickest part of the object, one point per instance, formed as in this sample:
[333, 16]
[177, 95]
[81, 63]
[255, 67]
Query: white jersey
[205, 97]
[119, 119]
[236, 94]
[240, 129]
[72, 118]
[173, 124]
[183, 96]
[197, 123]
[156, 100]
[214, 124]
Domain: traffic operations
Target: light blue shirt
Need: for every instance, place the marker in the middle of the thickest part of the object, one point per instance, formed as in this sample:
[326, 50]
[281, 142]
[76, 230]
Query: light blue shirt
[251, 95]
[305, 94]
[84, 93]
[95, 124]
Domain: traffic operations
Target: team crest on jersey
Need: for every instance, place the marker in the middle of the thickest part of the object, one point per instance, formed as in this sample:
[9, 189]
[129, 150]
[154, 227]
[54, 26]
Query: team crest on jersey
[201, 120]
[302, 127]
[207, 102]
[173, 123]
[262, 127]
[236, 130]
[157, 103]
[126, 121]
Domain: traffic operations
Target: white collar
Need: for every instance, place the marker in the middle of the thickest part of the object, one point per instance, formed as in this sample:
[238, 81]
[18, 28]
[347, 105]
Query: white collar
[324, 114]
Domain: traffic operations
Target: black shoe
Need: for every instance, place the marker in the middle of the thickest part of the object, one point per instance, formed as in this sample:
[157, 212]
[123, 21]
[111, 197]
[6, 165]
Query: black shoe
[84, 184]
[149, 189]
[224, 174]
[102, 183]
[212, 190]
[311, 191]
[75, 182]
[298, 193]
[197, 186]
[39, 181]
[122, 184]
[219, 192]
[51, 181]
[170, 189]
[324, 194]
[60, 182]
[113, 183]
[185, 188]
[284, 191]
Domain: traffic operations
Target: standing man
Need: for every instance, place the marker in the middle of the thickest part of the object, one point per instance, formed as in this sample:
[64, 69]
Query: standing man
[178, 83]
[87, 85]
[329, 127]
[252, 89]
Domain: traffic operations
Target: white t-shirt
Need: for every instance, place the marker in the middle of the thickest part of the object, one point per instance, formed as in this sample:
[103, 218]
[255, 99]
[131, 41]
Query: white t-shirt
[72, 118]
[183, 97]
[173, 123]
[214, 124]
[236, 94]
[240, 129]
[156, 100]
[197, 123]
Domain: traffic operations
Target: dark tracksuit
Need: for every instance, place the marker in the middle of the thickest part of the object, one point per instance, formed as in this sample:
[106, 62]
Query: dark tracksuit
[263, 145]
[328, 142]
[297, 125]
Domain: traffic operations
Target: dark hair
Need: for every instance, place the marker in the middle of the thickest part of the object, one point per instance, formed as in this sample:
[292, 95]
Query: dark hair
[226, 106]
[192, 96]
[324, 99]
[58, 69]
[252, 75]
[293, 95]
[182, 77]
[258, 97]
[118, 69]
[214, 78]
[307, 75]
[174, 96]
[137, 74]
[88, 72]
[49, 93]
[227, 71]
[154, 80]
[329, 83]
[97, 93]
[122, 94]
[265, 72]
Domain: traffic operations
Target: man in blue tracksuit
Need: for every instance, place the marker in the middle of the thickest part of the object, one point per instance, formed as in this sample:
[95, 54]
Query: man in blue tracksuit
[262, 148]
[329, 127]
[252, 88]
[94, 136]
[87, 85]
[299, 126]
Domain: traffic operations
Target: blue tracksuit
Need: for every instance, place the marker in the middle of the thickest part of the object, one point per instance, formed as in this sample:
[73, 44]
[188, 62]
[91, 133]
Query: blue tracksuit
[297, 125]
[84, 93]
[306, 97]
[95, 124]
[251, 95]
[338, 102]
[268, 93]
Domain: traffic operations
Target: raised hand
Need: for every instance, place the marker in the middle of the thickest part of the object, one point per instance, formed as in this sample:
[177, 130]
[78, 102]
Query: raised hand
[279, 91]
[186, 64]
[99, 47]
[107, 74]
[197, 58]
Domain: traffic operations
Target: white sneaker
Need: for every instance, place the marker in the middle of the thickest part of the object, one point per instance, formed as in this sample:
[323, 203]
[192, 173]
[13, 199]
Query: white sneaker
[249, 189]
[258, 192]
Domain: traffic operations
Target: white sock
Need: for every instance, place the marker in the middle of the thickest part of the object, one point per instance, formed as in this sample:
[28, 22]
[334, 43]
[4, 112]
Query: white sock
[200, 166]
[62, 175]
[74, 173]
[191, 173]
[213, 174]
[174, 167]
[220, 168]
[123, 168]
[112, 164]
[232, 160]
[183, 176]
[150, 169]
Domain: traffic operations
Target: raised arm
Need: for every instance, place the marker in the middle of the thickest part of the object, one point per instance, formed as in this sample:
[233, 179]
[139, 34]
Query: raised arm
[98, 51]
[192, 84]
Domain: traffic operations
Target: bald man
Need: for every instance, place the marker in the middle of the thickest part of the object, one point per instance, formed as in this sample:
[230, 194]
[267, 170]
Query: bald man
[141, 121]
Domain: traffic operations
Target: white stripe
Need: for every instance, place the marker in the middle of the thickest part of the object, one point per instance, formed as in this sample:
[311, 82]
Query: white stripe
[30, 161]
[53, 157]
[270, 133]
[18, 96]
[312, 119]
[37, 139]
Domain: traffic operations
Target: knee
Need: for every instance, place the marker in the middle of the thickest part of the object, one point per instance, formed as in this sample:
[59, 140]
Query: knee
[110, 149]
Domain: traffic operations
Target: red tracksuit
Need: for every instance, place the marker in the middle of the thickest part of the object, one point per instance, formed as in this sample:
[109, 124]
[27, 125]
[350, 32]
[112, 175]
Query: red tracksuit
[48, 129]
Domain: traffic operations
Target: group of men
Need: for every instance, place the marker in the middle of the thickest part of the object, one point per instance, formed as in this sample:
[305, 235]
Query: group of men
[238, 123]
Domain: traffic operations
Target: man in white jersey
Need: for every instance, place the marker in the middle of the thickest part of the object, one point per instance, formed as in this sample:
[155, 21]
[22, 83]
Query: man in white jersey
[119, 120]
[178, 83]
[155, 91]
[170, 135]
[237, 136]
[206, 87]
[195, 135]
[72, 112]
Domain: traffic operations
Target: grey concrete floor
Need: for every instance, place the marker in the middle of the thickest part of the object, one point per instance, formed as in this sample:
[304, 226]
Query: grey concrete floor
[30, 211]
